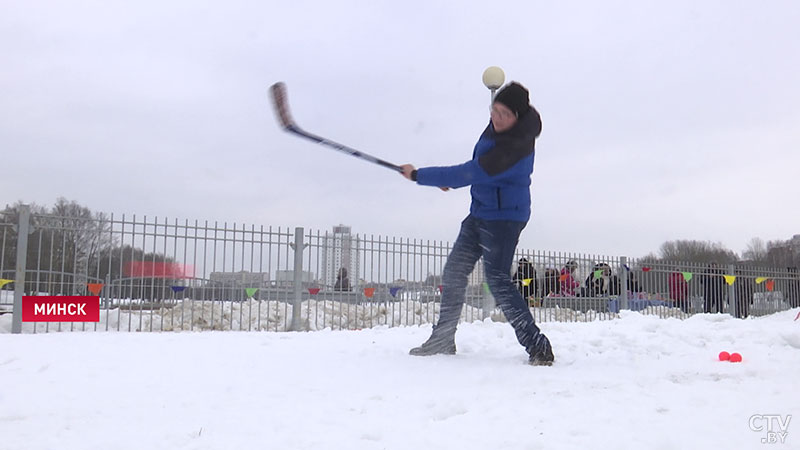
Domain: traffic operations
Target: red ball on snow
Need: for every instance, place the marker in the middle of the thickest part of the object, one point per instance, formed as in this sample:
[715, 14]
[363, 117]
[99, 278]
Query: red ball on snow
[724, 356]
[735, 357]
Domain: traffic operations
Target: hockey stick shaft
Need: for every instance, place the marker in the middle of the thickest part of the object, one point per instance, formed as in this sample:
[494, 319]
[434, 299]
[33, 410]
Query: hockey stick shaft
[343, 148]
[281, 104]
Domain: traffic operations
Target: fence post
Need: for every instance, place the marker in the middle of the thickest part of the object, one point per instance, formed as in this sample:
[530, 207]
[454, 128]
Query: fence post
[108, 292]
[23, 228]
[732, 306]
[623, 282]
[297, 299]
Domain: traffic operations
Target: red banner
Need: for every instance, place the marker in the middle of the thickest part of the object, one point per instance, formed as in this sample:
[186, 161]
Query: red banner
[146, 269]
[54, 308]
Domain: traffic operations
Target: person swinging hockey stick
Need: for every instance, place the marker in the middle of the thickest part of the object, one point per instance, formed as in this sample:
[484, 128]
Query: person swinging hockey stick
[499, 174]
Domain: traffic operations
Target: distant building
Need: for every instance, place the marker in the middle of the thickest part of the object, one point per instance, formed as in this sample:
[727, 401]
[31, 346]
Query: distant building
[240, 279]
[285, 278]
[340, 249]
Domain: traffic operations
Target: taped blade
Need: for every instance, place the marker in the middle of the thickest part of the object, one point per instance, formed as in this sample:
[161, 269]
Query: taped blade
[281, 104]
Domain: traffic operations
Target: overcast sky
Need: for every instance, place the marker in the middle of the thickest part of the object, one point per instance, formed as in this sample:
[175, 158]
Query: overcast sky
[661, 120]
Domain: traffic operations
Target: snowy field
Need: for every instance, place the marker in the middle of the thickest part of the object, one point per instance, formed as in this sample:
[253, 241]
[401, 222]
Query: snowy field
[637, 382]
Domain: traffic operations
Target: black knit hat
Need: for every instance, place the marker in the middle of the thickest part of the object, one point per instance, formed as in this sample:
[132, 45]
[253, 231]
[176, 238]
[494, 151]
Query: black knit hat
[515, 97]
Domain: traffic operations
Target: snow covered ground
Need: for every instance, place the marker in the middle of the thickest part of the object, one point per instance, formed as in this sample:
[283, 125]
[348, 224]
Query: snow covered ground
[635, 382]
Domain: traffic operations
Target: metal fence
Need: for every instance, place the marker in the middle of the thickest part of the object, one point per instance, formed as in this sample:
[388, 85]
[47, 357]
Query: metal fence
[156, 274]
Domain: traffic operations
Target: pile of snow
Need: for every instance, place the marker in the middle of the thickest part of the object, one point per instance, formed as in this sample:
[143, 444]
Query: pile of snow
[635, 382]
[195, 315]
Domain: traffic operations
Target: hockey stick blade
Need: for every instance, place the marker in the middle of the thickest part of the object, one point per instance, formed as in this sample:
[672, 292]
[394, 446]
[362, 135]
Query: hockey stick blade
[281, 104]
[278, 91]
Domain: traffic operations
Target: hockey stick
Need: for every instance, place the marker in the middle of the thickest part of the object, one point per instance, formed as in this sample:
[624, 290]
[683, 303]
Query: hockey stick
[281, 104]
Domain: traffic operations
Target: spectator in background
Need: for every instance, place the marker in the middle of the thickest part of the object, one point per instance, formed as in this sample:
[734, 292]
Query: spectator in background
[342, 281]
[551, 283]
[633, 284]
[568, 283]
[525, 279]
[713, 288]
[679, 290]
[599, 281]
[744, 294]
[614, 284]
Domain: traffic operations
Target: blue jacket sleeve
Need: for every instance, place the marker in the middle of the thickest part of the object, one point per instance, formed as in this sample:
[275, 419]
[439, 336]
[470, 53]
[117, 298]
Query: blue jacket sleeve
[453, 176]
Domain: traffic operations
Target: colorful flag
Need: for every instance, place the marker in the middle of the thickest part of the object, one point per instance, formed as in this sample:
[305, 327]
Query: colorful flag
[369, 292]
[95, 288]
[4, 282]
[687, 276]
[313, 291]
[730, 279]
[177, 289]
[760, 280]
[394, 291]
[251, 292]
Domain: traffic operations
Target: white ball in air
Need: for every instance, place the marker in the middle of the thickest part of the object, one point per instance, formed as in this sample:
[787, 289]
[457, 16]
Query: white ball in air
[493, 77]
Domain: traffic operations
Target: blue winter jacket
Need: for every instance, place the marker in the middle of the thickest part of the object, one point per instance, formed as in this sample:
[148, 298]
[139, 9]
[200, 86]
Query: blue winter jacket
[499, 172]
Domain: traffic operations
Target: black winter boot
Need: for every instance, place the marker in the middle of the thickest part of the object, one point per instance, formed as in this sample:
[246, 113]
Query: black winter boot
[541, 354]
[435, 346]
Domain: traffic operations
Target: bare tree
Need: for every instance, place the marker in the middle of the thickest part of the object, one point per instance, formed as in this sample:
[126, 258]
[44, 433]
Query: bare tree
[780, 254]
[8, 237]
[80, 237]
[697, 251]
[756, 250]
